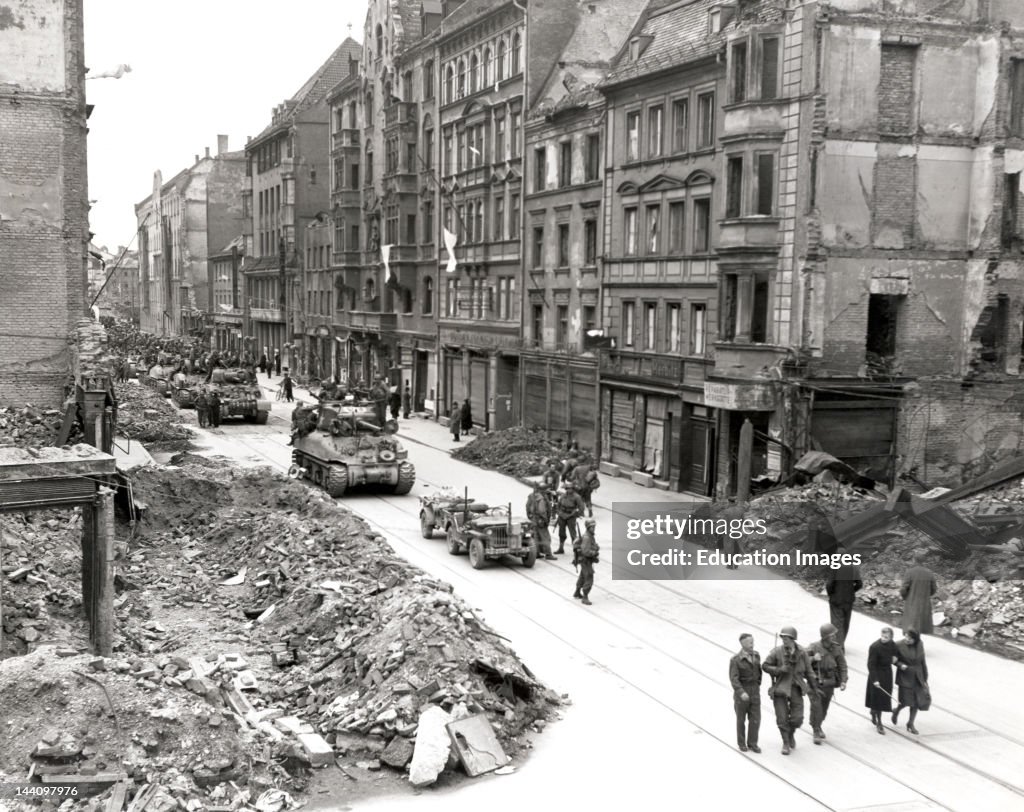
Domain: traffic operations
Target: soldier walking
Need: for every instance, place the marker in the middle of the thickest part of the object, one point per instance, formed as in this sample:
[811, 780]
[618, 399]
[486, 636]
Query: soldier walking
[829, 664]
[842, 586]
[213, 401]
[538, 511]
[585, 554]
[202, 409]
[568, 508]
[792, 679]
[745, 678]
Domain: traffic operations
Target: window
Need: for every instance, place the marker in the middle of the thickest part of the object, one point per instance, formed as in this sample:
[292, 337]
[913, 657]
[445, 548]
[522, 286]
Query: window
[353, 243]
[447, 167]
[464, 227]
[428, 151]
[1011, 196]
[706, 119]
[513, 219]
[565, 164]
[745, 308]
[769, 68]
[680, 123]
[460, 72]
[590, 242]
[537, 323]
[380, 42]
[739, 71]
[499, 63]
[561, 325]
[353, 169]
[460, 150]
[428, 296]
[515, 134]
[410, 229]
[474, 73]
[428, 80]
[652, 213]
[485, 78]
[633, 136]
[407, 300]
[538, 246]
[563, 245]
[766, 184]
[698, 328]
[451, 300]
[676, 226]
[589, 317]
[1016, 97]
[759, 317]
[650, 326]
[506, 298]
[654, 122]
[368, 179]
[499, 219]
[391, 226]
[478, 228]
[630, 231]
[734, 186]
[896, 89]
[499, 139]
[672, 327]
[390, 156]
[628, 323]
[428, 221]
[449, 85]
[352, 115]
[593, 168]
[540, 169]
[516, 56]
[701, 225]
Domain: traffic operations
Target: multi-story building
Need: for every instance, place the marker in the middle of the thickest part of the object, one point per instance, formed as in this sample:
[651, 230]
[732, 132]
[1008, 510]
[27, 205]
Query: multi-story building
[44, 229]
[563, 249]
[180, 224]
[114, 282]
[662, 202]
[227, 287]
[288, 172]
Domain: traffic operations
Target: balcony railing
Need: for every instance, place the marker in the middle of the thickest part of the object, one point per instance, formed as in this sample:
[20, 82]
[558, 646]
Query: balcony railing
[368, 320]
[345, 138]
[400, 113]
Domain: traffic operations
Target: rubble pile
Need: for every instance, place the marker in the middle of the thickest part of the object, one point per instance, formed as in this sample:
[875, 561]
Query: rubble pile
[29, 426]
[518, 451]
[148, 417]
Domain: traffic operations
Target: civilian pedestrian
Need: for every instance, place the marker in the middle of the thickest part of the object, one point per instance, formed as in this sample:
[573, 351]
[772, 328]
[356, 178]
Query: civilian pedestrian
[263, 361]
[288, 386]
[277, 362]
[406, 401]
[842, 586]
[917, 590]
[911, 678]
[745, 677]
[455, 420]
[466, 417]
[878, 697]
[395, 402]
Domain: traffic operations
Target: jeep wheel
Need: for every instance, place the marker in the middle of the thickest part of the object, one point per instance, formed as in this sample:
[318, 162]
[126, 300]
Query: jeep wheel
[426, 528]
[477, 558]
[531, 555]
[454, 548]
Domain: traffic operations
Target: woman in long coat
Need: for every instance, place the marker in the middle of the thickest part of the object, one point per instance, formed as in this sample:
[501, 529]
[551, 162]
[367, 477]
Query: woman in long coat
[911, 677]
[917, 590]
[466, 417]
[878, 698]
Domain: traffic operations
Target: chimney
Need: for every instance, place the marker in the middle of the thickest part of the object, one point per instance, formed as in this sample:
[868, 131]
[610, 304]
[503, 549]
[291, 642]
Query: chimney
[207, 152]
[222, 144]
[197, 157]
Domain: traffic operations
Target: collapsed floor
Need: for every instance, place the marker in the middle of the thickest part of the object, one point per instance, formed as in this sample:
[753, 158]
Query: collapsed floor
[319, 628]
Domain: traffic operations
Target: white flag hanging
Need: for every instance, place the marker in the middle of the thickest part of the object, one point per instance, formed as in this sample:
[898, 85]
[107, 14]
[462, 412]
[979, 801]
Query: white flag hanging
[385, 255]
[450, 241]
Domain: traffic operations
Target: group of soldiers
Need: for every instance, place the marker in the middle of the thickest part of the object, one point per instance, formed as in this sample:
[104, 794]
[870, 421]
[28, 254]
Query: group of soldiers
[383, 396]
[546, 504]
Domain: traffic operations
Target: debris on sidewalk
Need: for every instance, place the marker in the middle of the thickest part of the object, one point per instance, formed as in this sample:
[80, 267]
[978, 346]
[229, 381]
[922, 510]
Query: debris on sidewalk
[517, 452]
[148, 417]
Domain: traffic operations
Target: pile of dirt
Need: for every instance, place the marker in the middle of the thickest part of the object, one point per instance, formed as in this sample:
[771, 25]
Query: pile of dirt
[321, 645]
[29, 426]
[148, 417]
[518, 451]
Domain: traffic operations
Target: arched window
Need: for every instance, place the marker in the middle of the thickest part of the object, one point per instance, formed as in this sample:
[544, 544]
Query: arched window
[462, 79]
[449, 79]
[486, 74]
[380, 41]
[474, 73]
[499, 63]
[428, 296]
[428, 142]
[388, 93]
[428, 80]
[370, 290]
[516, 55]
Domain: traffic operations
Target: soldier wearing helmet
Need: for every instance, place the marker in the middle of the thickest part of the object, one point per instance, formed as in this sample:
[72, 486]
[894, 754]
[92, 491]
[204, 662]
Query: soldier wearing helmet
[568, 509]
[829, 663]
[792, 679]
[586, 552]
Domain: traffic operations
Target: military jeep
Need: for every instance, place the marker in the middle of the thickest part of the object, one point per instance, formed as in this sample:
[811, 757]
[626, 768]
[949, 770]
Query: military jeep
[485, 532]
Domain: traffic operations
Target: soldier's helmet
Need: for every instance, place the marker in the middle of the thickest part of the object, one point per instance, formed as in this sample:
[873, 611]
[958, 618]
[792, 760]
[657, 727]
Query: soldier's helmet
[828, 629]
[788, 631]
[590, 523]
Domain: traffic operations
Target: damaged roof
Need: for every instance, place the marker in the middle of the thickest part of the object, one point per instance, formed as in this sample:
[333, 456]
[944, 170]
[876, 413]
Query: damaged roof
[679, 35]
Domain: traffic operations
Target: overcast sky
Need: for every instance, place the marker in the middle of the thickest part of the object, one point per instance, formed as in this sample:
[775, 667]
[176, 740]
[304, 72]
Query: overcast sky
[199, 68]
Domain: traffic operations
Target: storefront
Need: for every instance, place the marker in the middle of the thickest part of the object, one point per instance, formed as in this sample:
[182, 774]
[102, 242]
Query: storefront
[761, 403]
[560, 396]
[483, 367]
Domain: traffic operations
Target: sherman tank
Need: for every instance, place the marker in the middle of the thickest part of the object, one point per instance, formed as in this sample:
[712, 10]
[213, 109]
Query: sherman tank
[240, 395]
[342, 445]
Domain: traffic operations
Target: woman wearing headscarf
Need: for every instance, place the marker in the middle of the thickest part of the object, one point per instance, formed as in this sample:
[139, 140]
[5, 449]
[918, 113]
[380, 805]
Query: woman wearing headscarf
[911, 677]
[881, 656]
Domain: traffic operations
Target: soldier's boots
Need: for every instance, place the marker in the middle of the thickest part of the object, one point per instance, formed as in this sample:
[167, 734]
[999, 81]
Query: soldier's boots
[587, 602]
[792, 739]
[819, 735]
[785, 744]
[577, 595]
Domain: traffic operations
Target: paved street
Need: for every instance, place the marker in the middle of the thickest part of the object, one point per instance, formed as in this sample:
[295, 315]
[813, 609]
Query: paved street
[646, 668]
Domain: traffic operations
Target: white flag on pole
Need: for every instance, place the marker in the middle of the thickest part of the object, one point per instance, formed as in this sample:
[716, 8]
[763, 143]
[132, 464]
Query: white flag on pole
[385, 255]
[450, 241]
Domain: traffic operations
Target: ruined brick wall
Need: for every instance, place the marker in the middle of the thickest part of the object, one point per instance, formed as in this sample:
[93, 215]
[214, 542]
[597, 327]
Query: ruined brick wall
[43, 197]
[949, 433]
